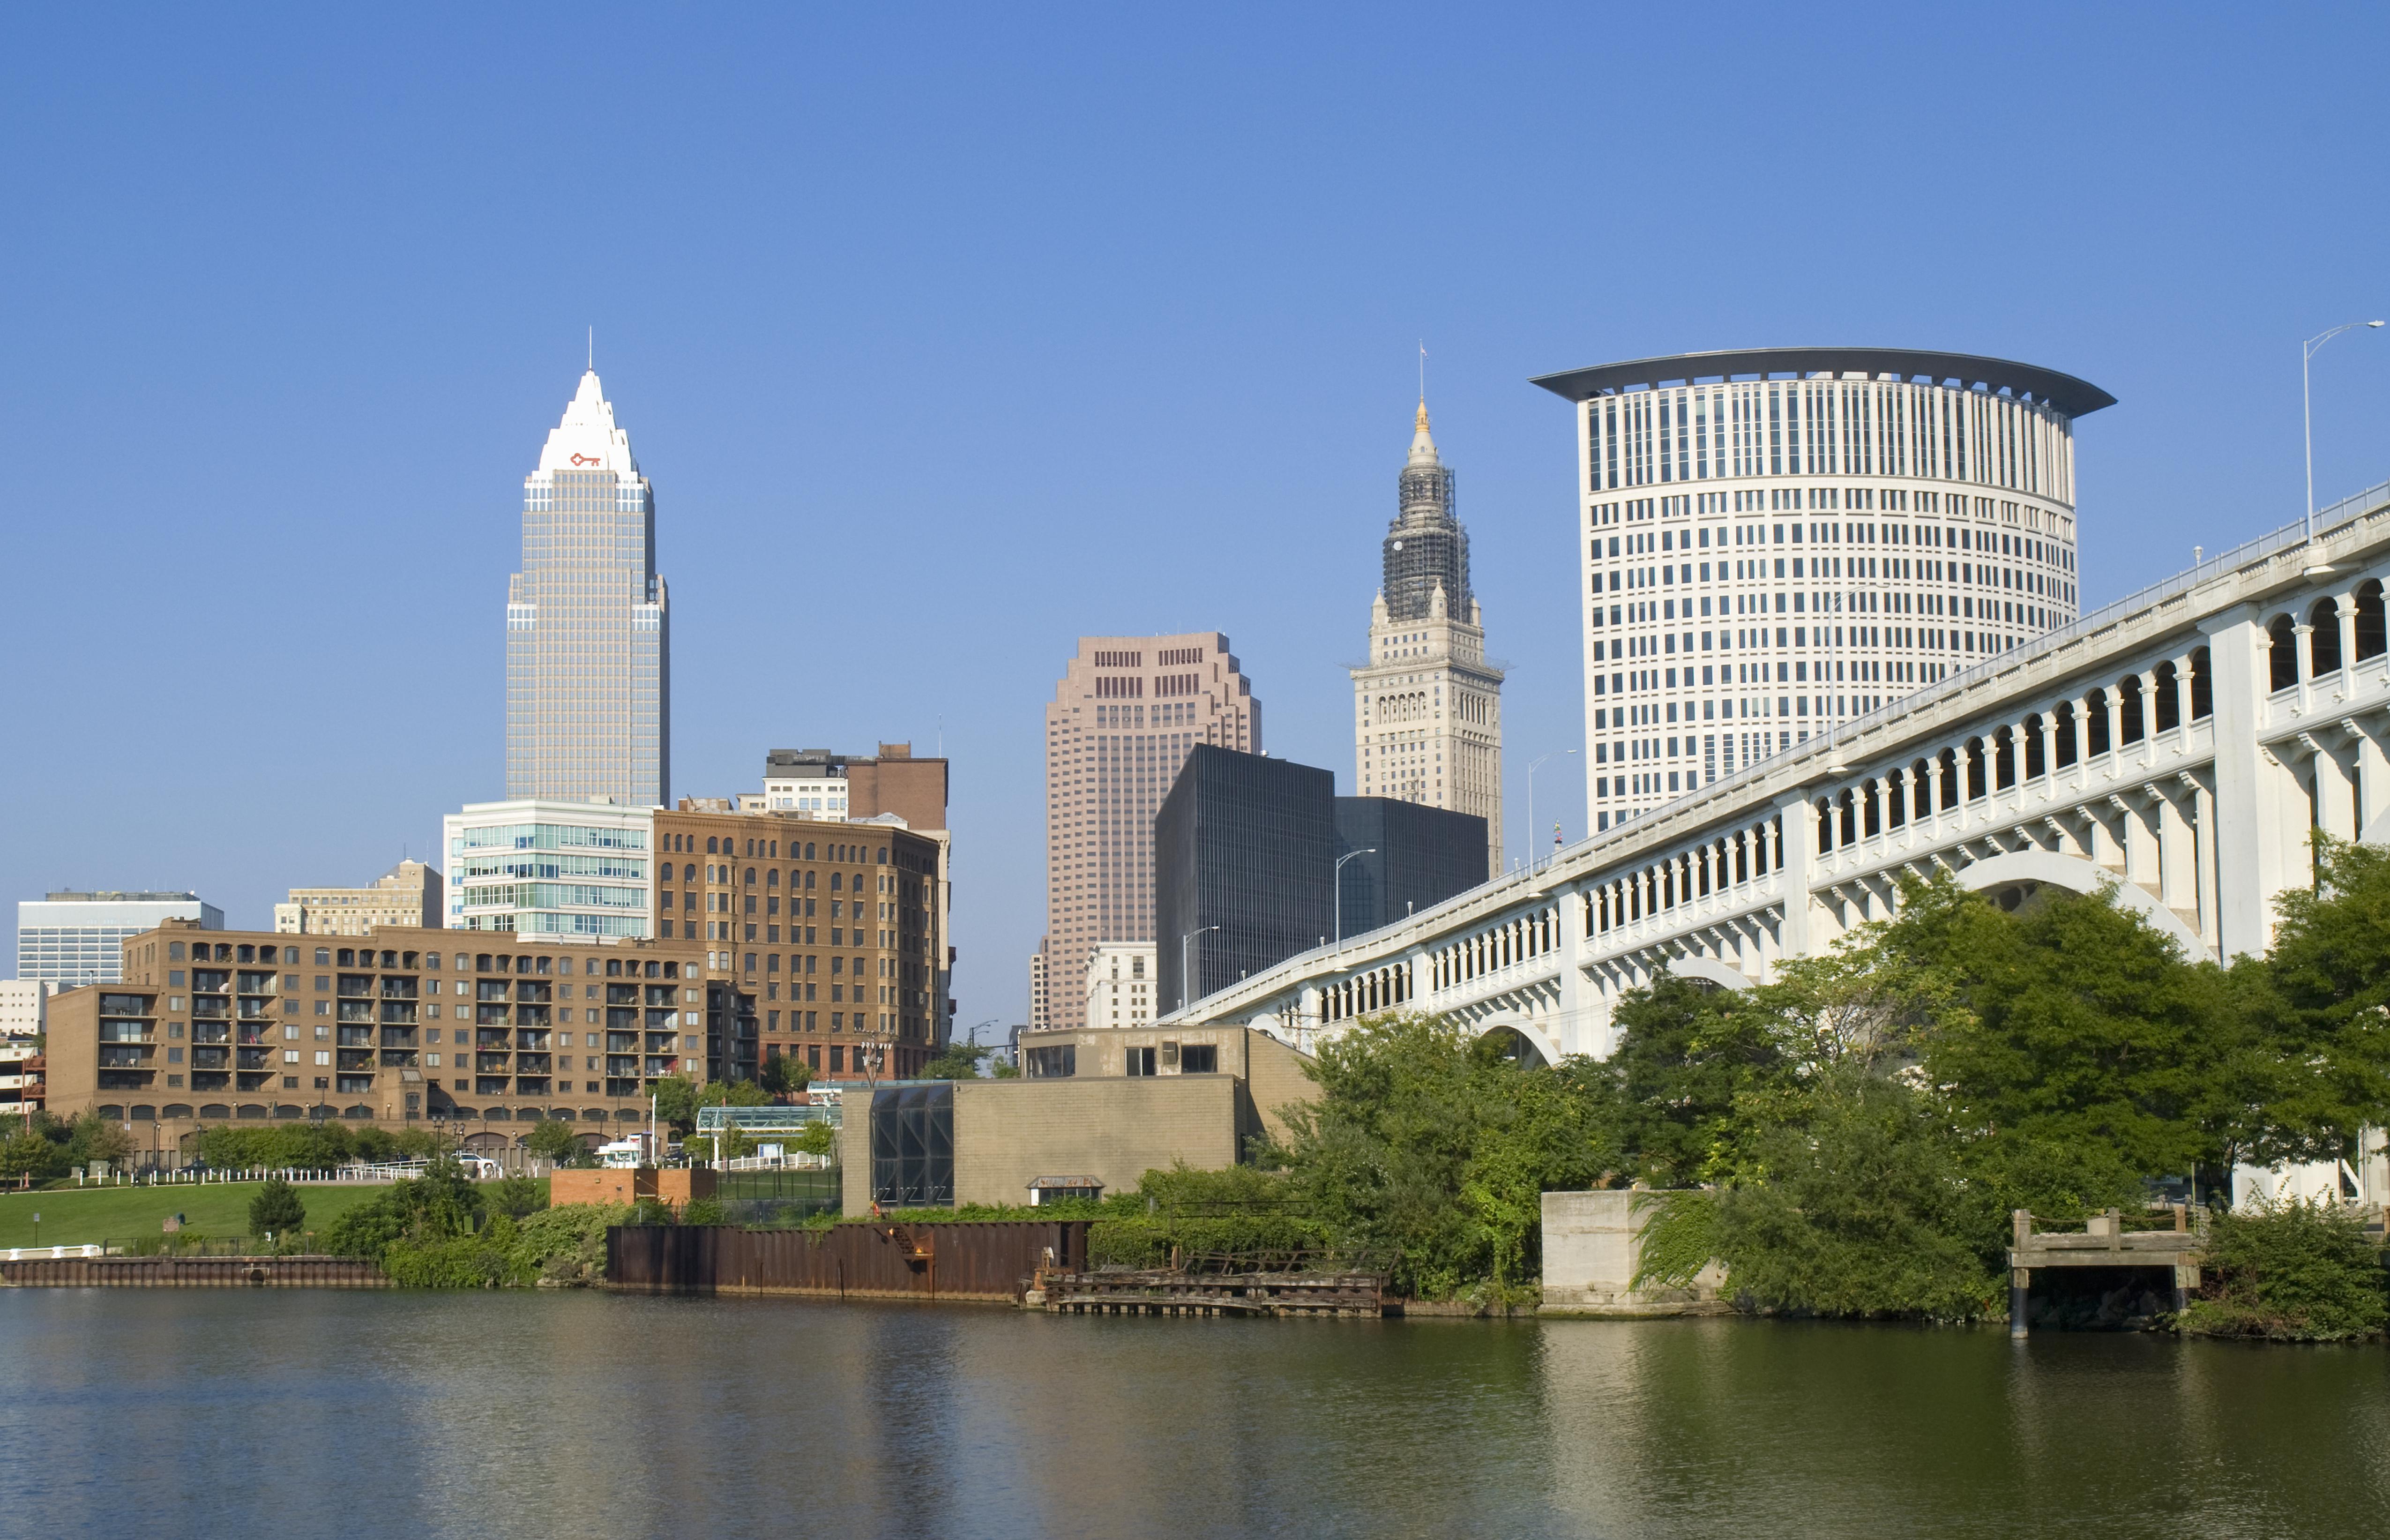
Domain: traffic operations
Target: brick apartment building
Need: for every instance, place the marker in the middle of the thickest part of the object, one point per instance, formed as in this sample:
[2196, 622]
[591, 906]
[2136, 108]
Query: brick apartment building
[480, 1031]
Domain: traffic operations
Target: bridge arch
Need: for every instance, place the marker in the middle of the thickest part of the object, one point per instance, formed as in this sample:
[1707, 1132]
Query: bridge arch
[1710, 969]
[1528, 1035]
[2028, 869]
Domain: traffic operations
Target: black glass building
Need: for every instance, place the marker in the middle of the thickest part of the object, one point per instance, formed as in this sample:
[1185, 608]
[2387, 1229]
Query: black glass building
[1243, 853]
[1420, 855]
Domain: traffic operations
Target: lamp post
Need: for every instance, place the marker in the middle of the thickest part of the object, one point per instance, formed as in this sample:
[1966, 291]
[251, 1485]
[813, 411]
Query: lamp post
[1340, 888]
[1183, 975]
[2308, 350]
[1531, 807]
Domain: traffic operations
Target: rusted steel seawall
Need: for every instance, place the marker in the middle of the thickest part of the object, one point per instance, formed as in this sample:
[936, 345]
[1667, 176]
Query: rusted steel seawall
[961, 1260]
[301, 1272]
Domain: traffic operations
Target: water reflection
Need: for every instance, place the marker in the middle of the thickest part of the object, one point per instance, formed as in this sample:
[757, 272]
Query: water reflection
[388, 1415]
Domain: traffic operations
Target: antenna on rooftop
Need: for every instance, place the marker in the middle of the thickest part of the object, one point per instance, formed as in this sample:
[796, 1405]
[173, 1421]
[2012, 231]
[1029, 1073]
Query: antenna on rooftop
[593, 349]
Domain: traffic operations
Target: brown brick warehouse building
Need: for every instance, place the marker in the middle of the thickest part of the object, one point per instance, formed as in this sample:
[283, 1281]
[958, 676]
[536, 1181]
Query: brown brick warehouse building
[834, 933]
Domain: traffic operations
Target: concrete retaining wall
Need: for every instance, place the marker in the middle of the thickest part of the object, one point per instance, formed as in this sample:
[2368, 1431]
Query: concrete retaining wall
[1593, 1242]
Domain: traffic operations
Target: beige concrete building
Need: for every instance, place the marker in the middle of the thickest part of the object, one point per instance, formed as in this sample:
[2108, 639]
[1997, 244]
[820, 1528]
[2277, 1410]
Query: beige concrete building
[1041, 1011]
[1123, 716]
[1119, 989]
[480, 1031]
[1098, 1109]
[1427, 705]
[407, 895]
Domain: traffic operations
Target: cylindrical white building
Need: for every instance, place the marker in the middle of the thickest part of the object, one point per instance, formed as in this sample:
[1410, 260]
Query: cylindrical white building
[1777, 539]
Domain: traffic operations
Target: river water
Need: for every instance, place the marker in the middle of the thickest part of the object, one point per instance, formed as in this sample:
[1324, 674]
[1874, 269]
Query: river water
[388, 1414]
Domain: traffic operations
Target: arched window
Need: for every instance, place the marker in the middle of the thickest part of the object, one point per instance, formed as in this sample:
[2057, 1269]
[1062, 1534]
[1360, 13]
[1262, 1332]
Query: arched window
[2095, 738]
[1825, 825]
[2282, 660]
[2129, 708]
[2323, 639]
[2203, 687]
[2169, 702]
[2372, 633]
[1974, 768]
[1948, 797]
[2035, 768]
[1873, 816]
[2003, 759]
[1850, 820]
[2065, 719]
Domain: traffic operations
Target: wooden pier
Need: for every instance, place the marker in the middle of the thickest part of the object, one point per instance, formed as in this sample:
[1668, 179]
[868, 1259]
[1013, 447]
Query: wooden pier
[1166, 1292]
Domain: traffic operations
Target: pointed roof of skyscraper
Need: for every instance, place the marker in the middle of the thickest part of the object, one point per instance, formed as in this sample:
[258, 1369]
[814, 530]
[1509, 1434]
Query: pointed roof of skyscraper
[1422, 446]
[587, 439]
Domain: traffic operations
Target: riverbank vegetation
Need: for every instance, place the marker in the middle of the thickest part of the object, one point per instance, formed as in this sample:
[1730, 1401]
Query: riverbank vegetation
[1851, 1138]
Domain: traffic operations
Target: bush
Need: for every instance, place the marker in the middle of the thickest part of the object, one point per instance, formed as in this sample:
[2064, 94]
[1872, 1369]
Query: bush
[567, 1246]
[276, 1210]
[703, 1210]
[2290, 1272]
[480, 1261]
[517, 1197]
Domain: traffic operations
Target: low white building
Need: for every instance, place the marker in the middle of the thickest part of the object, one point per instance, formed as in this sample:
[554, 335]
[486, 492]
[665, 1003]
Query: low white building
[1120, 984]
[24, 1005]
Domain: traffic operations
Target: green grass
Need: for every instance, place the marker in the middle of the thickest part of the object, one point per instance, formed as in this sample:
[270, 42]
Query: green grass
[79, 1217]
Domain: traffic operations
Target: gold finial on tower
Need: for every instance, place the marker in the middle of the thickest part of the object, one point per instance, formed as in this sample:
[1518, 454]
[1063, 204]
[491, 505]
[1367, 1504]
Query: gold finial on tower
[1421, 425]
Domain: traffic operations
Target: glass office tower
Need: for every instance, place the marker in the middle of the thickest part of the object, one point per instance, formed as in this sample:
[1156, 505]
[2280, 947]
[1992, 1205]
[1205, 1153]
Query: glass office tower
[588, 638]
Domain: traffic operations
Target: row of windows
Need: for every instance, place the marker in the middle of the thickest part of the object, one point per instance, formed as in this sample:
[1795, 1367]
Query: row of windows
[1955, 538]
[1826, 427]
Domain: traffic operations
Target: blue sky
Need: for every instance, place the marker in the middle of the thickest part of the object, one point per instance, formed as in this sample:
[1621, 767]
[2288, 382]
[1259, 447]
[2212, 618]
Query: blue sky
[949, 335]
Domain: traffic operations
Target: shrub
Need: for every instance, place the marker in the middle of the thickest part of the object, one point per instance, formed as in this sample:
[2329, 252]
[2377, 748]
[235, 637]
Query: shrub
[517, 1197]
[703, 1210]
[480, 1261]
[2291, 1272]
[552, 1140]
[276, 1210]
[567, 1245]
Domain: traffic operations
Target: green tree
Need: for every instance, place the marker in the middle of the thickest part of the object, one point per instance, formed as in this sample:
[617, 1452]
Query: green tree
[439, 1205]
[516, 1197]
[552, 1140]
[1684, 1086]
[1427, 1146]
[675, 1102]
[2082, 1024]
[28, 1155]
[732, 1092]
[1863, 1210]
[276, 1210]
[785, 1074]
[955, 1061]
[2319, 1004]
[818, 1139]
[91, 1137]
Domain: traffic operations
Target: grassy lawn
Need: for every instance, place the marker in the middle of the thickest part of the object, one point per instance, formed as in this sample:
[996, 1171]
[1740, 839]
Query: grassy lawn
[76, 1217]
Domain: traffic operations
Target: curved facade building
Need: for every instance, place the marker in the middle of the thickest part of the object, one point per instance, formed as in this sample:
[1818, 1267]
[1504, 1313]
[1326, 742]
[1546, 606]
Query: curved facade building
[1780, 539]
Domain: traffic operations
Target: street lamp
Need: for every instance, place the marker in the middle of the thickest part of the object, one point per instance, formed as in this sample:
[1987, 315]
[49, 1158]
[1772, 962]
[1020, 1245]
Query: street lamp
[1183, 975]
[1531, 808]
[2308, 350]
[1340, 889]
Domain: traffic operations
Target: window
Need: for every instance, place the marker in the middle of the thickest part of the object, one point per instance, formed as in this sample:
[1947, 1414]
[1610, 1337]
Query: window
[1139, 1062]
[1199, 1059]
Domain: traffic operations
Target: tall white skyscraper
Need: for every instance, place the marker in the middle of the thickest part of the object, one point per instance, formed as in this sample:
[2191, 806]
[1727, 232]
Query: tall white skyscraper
[588, 632]
[1427, 707]
[1776, 542]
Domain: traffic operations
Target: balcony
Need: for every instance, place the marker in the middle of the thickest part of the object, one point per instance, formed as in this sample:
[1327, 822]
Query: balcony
[210, 1058]
[532, 1086]
[253, 1059]
[398, 1038]
[490, 1016]
[398, 1010]
[531, 1040]
[124, 1080]
[496, 1041]
[658, 1068]
[490, 1064]
[397, 989]
[622, 995]
[352, 1086]
[534, 1063]
[211, 1079]
[125, 1057]
[355, 986]
[531, 1016]
[251, 1082]
[355, 1058]
[355, 1010]
[202, 1031]
[398, 1059]
[357, 1037]
[204, 1007]
[491, 1085]
[489, 988]
[628, 1064]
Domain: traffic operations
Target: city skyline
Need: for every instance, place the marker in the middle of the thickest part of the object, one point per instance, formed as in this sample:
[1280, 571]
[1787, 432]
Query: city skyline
[336, 386]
